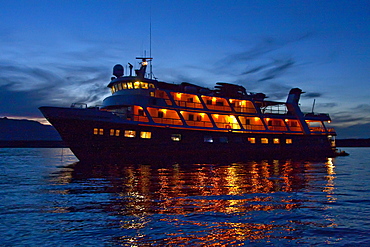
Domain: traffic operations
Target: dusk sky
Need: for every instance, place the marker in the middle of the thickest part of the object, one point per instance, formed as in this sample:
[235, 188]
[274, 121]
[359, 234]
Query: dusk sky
[60, 52]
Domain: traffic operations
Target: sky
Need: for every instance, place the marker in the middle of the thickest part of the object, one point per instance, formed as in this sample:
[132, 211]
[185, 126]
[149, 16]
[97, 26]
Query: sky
[58, 52]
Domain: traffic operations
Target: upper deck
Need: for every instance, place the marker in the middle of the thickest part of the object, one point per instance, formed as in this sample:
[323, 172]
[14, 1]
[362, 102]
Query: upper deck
[227, 107]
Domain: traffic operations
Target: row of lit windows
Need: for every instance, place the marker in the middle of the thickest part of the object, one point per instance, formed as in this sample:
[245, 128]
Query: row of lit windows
[126, 133]
[132, 85]
[177, 137]
[252, 140]
[221, 121]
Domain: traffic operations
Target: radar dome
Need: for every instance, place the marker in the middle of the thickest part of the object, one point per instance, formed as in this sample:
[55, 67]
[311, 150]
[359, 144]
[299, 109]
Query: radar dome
[118, 70]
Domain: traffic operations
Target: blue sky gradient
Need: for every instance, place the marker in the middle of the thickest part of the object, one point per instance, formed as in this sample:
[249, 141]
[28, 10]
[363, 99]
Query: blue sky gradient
[59, 52]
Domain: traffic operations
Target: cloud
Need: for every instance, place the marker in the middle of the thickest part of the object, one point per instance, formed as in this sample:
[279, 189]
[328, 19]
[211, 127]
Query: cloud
[312, 95]
[362, 107]
[277, 69]
[24, 88]
[327, 105]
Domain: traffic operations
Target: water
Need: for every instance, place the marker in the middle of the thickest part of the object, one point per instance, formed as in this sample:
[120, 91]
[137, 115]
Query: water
[47, 198]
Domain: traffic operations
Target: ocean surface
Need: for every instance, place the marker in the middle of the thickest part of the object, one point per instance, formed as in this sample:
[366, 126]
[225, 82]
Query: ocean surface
[48, 198]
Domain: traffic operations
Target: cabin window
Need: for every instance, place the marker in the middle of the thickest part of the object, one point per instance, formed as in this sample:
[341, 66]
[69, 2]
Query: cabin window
[276, 141]
[136, 85]
[151, 94]
[140, 112]
[264, 140]
[288, 141]
[130, 133]
[160, 114]
[224, 139]
[191, 117]
[96, 131]
[209, 102]
[199, 118]
[129, 85]
[145, 134]
[114, 132]
[144, 85]
[119, 86]
[208, 139]
[176, 137]
[219, 103]
[252, 140]
[124, 85]
[190, 100]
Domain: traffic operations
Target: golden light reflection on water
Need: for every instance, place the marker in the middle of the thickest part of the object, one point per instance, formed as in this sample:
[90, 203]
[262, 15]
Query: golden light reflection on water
[227, 199]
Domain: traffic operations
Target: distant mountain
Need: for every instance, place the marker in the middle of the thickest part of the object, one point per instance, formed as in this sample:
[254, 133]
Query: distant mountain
[26, 130]
[354, 131]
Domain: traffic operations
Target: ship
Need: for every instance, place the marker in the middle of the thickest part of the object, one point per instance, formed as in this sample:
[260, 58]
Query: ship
[146, 120]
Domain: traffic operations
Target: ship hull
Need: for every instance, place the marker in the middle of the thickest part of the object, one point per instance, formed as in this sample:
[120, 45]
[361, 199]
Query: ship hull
[80, 130]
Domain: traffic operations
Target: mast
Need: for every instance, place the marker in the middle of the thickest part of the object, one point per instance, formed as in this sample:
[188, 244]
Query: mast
[150, 45]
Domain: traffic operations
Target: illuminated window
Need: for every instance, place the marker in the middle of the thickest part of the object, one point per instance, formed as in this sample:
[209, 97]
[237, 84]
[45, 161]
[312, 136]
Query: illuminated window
[117, 132]
[136, 85]
[144, 85]
[129, 85]
[264, 140]
[124, 85]
[208, 139]
[130, 133]
[176, 137]
[151, 94]
[145, 134]
[96, 131]
[252, 140]
[288, 141]
[151, 85]
[276, 140]
[119, 86]
[101, 131]
[111, 132]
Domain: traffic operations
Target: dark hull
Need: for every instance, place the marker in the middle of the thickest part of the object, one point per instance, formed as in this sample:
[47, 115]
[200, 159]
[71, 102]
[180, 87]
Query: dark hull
[76, 131]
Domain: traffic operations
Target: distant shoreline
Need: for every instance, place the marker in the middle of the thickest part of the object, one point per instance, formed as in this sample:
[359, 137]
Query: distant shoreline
[61, 144]
[353, 142]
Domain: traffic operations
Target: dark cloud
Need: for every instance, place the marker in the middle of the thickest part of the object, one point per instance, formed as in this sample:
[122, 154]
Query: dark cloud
[312, 95]
[277, 69]
[362, 107]
[24, 89]
[327, 105]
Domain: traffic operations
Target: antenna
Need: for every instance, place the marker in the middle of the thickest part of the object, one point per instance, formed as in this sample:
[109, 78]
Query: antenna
[313, 105]
[150, 43]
